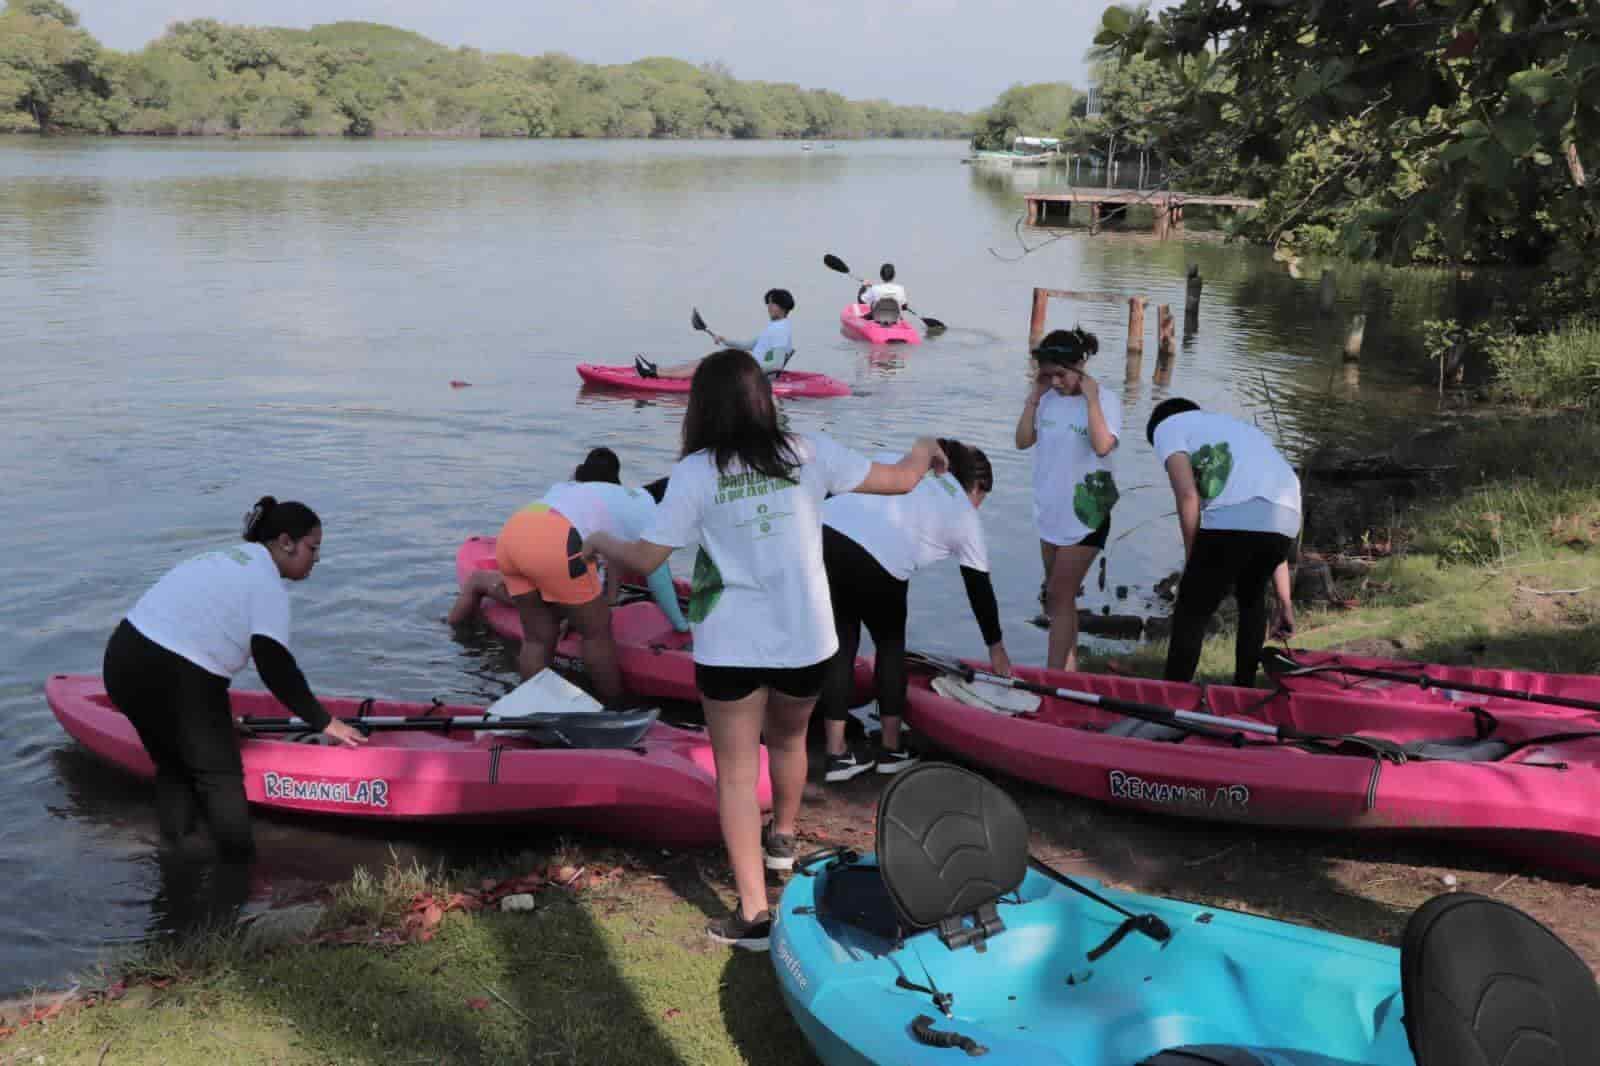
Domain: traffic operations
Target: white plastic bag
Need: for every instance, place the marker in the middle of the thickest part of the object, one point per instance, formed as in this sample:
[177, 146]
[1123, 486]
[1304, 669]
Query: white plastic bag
[546, 692]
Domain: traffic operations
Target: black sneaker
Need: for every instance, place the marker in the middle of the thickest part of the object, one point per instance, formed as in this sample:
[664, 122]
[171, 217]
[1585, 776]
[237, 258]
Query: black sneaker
[736, 932]
[778, 848]
[893, 761]
[844, 767]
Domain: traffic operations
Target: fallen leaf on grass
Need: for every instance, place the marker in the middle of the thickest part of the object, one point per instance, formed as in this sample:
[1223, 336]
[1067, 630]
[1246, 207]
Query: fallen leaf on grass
[672, 1012]
[477, 1003]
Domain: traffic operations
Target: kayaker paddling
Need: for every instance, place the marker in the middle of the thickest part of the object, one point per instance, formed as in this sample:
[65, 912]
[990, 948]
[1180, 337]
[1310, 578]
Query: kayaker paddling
[169, 663]
[750, 495]
[1074, 425]
[772, 348]
[541, 571]
[885, 288]
[871, 545]
[1239, 511]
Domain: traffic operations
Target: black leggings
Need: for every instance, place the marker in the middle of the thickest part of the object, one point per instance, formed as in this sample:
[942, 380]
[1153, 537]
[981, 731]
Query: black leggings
[1225, 560]
[184, 720]
[864, 593]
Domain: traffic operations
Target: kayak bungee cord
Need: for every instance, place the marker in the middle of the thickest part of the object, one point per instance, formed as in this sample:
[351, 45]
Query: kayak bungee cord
[1282, 663]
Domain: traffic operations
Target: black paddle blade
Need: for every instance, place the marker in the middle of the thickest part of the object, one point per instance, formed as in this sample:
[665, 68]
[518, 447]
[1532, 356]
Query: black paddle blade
[833, 262]
[695, 321]
[935, 327]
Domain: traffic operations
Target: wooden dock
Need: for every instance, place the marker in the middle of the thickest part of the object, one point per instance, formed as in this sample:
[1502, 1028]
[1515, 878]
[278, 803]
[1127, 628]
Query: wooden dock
[1046, 208]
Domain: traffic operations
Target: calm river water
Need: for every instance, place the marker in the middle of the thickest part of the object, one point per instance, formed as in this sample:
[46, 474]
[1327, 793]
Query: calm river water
[187, 325]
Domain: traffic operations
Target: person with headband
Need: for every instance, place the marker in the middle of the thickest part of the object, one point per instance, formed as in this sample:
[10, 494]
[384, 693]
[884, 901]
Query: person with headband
[542, 574]
[749, 494]
[772, 348]
[1075, 425]
[871, 545]
[1239, 512]
[169, 663]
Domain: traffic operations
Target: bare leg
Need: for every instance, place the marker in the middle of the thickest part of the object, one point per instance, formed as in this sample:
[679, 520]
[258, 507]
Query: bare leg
[785, 730]
[735, 730]
[592, 620]
[482, 583]
[682, 370]
[1071, 564]
[1047, 555]
[540, 630]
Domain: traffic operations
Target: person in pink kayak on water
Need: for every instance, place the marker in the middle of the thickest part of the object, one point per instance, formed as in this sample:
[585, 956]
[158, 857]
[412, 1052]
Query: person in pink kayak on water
[772, 348]
[169, 663]
[749, 495]
[886, 288]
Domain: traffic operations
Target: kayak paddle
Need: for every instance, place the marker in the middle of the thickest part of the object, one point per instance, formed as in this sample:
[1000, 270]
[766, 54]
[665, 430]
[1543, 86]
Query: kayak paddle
[699, 323]
[1282, 664]
[597, 729]
[833, 262]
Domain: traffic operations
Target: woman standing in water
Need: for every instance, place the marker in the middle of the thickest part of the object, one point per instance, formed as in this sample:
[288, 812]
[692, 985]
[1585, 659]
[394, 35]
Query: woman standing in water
[170, 662]
[750, 495]
[1075, 425]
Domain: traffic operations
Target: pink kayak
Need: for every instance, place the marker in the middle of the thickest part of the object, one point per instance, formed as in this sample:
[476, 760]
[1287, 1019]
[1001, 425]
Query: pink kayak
[663, 793]
[856, 324]
[1523, 789]
[656, 660]
[1400, 680]
[790, 383]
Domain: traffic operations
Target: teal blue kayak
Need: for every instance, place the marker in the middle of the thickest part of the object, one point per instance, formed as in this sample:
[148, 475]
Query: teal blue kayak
[964, 952]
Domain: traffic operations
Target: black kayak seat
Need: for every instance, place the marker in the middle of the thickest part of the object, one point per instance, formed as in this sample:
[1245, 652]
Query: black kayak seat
[1460, 749]
[1220, 1055]
[885, 312]
[1486, 985]
[1139, 729]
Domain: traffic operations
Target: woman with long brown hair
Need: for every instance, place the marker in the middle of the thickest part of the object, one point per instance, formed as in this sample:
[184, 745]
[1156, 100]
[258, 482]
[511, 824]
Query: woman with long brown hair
[750, 495]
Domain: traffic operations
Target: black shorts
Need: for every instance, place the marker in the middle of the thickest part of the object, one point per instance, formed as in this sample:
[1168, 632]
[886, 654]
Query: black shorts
[1097, 539]
[728, 683]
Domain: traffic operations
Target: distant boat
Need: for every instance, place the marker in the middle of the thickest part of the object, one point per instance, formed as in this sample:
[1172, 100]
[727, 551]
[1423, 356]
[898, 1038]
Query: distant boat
[806, 147]
[1024, 152]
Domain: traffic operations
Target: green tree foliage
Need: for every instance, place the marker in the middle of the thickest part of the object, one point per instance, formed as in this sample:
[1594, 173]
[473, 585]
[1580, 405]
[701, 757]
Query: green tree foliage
[365, 79]
[1038, 110]
[1452, 130]
[53, 75]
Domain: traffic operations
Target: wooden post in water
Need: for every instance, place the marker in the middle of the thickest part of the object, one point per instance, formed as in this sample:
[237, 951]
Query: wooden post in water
[1191, 302]
[1352, 340]
[1135, 339]
[1166, 345]
[1041, 304]
[1327, 292]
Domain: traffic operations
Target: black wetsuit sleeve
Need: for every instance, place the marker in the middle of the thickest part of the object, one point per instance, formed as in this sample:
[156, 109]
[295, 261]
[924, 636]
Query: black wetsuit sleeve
[657, 489]
[283, 678]
[980, 594]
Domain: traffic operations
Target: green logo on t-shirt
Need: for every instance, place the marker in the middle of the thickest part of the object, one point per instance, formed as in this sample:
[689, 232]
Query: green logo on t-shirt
[1093, 499]
[1212, 464]
[705, 589]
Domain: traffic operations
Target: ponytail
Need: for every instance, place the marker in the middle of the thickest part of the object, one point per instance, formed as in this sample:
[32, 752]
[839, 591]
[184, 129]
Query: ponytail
[268, 520]
[968, 465]
[601, 464]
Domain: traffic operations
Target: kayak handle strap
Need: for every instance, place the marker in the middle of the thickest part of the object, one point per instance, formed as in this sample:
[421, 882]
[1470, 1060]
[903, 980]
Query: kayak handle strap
[1148, 924]
[922, 1028]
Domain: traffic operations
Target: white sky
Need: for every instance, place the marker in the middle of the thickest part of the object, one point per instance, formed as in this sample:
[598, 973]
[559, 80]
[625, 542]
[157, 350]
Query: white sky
[941, 53]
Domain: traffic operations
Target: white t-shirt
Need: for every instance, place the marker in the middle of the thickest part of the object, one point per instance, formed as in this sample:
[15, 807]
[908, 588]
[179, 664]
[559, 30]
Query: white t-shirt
[207, 608]
[1073, 488]
[1234, 463]
[760, 591]
[602, 507]
[773, 347]
[933, 521]
[884, 290]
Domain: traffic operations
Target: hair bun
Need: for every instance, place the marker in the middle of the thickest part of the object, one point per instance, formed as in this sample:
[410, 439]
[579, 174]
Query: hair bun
[254, 517]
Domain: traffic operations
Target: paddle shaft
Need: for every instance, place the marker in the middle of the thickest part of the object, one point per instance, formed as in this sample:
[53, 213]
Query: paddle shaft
[1425, 682]
[438, 725]
[1134, 709]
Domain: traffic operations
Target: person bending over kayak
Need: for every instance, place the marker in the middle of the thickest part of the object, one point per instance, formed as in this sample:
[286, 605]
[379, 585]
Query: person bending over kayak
[884, 289]
[750, 495]
[1075, 424]
[1239, 512]
[169, 663]
[543, 575]
[871, 545]
[771, 349]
